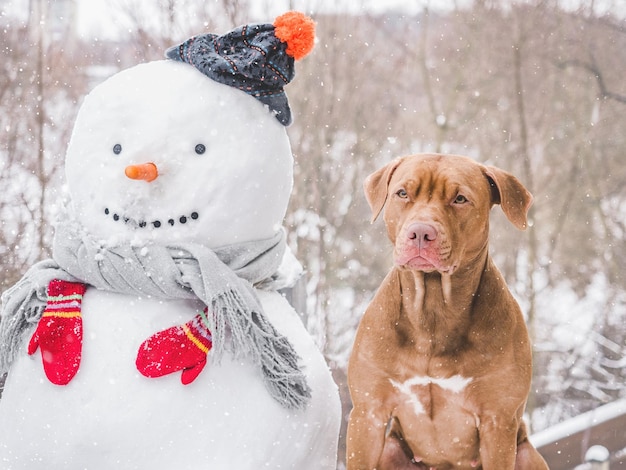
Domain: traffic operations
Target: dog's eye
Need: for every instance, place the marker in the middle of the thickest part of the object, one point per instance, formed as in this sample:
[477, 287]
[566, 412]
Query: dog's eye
[402, 193]
[460, 199]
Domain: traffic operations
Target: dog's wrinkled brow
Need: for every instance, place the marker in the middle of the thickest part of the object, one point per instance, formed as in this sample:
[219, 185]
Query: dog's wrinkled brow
[426, 185]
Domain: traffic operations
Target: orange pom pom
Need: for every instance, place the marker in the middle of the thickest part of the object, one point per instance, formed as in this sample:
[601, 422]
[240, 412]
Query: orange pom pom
[298, 31]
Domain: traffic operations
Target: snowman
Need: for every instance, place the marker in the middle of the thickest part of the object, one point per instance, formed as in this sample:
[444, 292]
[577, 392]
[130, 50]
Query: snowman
[156, 336]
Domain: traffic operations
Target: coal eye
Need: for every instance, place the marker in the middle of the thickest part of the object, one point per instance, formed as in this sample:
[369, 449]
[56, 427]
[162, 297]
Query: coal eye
[200, 149]
[117, 149]
[460, 199]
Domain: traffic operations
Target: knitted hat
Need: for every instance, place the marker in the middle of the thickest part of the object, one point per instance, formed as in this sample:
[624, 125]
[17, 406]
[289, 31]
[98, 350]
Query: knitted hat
[257, 58]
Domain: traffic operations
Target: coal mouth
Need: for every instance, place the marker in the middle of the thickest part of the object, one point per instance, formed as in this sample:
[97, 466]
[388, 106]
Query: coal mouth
[156, 223]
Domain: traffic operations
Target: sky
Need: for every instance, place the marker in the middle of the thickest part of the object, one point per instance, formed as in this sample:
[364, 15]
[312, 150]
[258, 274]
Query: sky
[97, 17]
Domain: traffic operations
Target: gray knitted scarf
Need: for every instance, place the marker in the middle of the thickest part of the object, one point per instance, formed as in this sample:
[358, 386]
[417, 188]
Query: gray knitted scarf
[222, 279]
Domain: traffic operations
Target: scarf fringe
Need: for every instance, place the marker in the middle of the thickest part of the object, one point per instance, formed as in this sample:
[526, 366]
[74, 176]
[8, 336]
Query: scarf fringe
[22, 307]
[15, 331]
[269, 350]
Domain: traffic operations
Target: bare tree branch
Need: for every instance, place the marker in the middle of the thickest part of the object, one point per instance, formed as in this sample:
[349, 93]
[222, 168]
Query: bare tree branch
[593, 68]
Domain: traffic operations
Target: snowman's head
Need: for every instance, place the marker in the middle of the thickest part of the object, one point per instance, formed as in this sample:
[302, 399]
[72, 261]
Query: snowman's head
[192, 149]
[162, 153]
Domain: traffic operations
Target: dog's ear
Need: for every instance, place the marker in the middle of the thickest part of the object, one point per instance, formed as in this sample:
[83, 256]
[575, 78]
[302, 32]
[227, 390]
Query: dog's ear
[511, 194]
[376, 186]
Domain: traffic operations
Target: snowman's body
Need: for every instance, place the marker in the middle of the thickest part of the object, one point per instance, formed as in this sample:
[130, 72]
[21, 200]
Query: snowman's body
[110, 416]
[235, 190]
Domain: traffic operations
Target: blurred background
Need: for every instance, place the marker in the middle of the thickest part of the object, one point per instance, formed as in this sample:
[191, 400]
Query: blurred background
[536, 87]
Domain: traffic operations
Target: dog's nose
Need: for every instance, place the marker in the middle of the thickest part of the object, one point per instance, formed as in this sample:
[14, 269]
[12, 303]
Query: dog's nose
[421, 234]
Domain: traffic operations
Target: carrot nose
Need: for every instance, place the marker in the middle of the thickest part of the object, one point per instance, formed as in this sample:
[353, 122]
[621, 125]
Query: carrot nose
[145, 171]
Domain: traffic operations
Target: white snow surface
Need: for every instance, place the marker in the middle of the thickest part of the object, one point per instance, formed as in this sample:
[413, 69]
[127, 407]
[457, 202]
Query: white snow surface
[109, 415]
[579, 423]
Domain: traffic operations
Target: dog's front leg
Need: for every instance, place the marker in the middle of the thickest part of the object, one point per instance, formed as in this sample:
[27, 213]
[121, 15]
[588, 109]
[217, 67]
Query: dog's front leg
[498, 442]
[365, 438]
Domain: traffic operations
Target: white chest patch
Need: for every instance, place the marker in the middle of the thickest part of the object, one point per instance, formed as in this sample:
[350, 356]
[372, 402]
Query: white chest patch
[454, 384]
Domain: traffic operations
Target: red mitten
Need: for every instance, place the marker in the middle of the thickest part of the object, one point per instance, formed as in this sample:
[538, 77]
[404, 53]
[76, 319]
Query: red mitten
[178, 348]
[59, 333]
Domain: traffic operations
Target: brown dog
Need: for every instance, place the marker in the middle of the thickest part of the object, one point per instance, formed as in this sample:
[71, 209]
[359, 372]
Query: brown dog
[441, 365]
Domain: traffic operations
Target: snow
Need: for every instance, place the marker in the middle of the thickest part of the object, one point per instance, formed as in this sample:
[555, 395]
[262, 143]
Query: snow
[597, 454]
[109, 415]
[579, 423]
